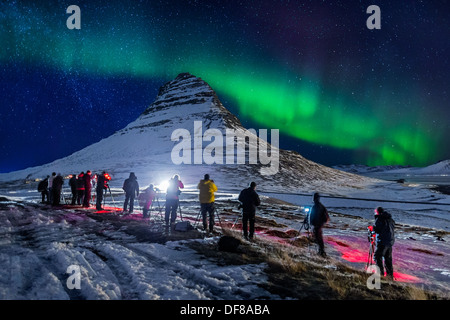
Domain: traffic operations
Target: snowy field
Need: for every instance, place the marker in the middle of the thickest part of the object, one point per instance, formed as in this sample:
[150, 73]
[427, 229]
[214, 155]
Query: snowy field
[131, 258]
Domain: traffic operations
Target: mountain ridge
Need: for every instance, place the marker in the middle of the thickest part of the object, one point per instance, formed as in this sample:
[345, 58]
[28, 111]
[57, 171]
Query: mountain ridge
[145, 147]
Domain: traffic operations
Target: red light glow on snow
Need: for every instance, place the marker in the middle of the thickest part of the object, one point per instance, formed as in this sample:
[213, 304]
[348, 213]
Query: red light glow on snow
[402, 277]
[350, 254]
[358, 256]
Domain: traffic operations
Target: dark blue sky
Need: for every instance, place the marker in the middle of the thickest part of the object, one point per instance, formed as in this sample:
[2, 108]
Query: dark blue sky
[338, 92]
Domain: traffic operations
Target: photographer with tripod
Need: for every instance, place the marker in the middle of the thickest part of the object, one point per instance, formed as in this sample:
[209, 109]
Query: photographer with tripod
[385, 238]
[172, 198]
[102, 186]
[145, 200]
[206, 197]
[318, 217]
[250, 200]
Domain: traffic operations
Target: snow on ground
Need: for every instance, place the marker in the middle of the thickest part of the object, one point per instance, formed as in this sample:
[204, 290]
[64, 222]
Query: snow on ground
[131, 258]
[38, 244]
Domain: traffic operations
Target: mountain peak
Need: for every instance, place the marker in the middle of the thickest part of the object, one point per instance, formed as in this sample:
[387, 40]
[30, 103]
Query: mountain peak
[187, 89]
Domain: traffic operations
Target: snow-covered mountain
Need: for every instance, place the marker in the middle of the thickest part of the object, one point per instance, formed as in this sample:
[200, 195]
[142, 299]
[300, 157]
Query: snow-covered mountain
[439, 168]
[363, 169]
[188, 107]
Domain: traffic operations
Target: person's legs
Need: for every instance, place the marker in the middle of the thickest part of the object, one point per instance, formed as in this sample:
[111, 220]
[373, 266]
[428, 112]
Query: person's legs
[211, 216]
[388, 262]
[251, 221]
[245, 224]
[318, 235]
[204, 209]
[173, 215]
[167, 213]
[131, 203]
[378, 256]
[125, 203]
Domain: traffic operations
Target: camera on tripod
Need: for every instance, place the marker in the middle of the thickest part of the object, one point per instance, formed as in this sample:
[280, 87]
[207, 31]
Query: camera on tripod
[371, 234]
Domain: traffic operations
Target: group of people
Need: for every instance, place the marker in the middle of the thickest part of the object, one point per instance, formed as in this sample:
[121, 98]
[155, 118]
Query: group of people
[82, 185]
[51, 188]
[248, 197]
[383, 228]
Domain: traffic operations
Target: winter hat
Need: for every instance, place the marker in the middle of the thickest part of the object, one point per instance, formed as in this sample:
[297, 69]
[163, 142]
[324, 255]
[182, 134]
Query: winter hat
[379, 210]
[316, 196]
[206, 177]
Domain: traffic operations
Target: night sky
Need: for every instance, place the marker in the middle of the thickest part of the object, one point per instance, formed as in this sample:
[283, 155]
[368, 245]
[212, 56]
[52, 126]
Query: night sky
[338, 92]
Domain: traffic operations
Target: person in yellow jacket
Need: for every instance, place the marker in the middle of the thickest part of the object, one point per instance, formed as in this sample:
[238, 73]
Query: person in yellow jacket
[206, 197]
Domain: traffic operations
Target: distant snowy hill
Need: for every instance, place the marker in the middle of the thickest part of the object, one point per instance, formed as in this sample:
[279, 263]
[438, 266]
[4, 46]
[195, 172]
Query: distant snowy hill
[145, 147]
[363, 169]
[439, 168]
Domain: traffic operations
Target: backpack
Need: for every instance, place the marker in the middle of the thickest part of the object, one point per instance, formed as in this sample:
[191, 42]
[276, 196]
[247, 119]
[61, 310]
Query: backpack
[183, 226]
[228, 244]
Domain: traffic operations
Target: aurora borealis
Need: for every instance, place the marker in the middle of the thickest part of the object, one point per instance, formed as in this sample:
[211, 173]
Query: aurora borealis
[338, 92]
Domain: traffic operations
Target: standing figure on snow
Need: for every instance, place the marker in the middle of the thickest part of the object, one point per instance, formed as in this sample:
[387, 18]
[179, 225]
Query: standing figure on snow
[80, 188]
[172, 198]
[206, 197]
[318, 217]
[43, 189]
[50, 186]
[249, 201]
[73, 187]
[384, 229]
[58, 182]
[100, 189]
[145, 200]
[131, 188]
[87, 178]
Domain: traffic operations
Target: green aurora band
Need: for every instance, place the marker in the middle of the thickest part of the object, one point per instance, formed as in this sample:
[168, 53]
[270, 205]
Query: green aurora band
[268, 94]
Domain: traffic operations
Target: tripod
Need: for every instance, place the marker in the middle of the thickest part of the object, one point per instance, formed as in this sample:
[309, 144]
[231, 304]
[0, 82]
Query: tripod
[159, 207]
[105, 192]
[372, 240]
[215, 212]
[168, 213]
[237, 218]
[305, 225]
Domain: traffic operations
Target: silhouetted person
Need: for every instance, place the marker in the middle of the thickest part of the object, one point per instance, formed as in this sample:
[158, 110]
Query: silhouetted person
[87, 178]
[384, 228]
[250, 200]
[50, 186]
[172, 198]
[206, 196]
[58, 182]
[131, 188]
[73, 188]
[43, 189]
[318, 217]
[80, 188]
[145, 200]
[100, 189]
